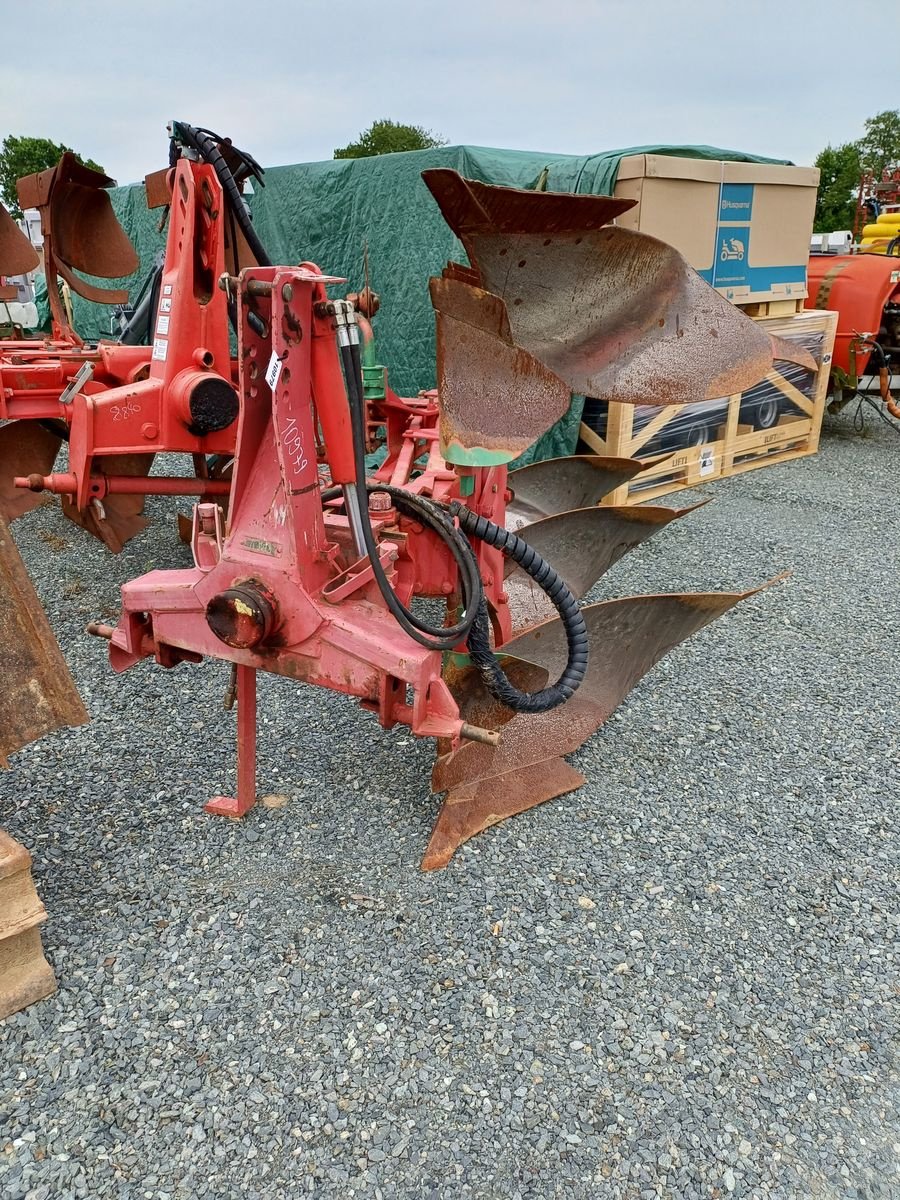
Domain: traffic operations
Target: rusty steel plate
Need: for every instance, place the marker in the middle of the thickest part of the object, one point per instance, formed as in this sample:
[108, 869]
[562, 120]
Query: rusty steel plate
[627, 638]
[624, 317]
[156, 188]
[473, 807]
[17, 255]
[476, 704]
[496, 398]
[472, 209]
[82, 233]
[615, 314]
[121, 517]
[581, 546]
[38, 693]
[26, 448]
[556, 485]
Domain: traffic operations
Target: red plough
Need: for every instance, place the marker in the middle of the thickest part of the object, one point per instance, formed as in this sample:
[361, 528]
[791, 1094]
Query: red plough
[315, 571]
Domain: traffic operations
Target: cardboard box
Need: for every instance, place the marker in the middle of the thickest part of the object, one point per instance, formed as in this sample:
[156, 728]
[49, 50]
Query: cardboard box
[744, 227]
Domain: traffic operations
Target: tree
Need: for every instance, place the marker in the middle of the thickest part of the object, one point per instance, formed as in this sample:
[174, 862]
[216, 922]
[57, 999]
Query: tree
[838, 187]
[879, 147]
[387, 137]
[24, 156]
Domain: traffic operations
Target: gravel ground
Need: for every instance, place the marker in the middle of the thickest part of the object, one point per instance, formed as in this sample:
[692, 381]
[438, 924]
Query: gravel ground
[678, 982]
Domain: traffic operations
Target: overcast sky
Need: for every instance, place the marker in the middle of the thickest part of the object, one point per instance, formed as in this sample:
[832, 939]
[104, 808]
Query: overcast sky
[291, 81]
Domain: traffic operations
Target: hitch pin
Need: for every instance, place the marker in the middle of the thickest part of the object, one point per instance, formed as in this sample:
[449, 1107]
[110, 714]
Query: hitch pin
[98, 629]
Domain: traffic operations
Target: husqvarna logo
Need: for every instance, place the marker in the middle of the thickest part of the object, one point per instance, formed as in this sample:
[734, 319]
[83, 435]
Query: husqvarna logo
[732, 250]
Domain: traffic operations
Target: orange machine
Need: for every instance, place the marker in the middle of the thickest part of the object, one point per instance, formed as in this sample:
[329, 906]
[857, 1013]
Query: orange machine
[864, 290]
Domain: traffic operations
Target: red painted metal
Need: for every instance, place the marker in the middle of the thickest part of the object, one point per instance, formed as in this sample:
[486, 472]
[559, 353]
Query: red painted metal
[17, 255]
[241, 803]
[280, 586]
[177, 395]
[280, 589]
[859, 287]
[124, 485]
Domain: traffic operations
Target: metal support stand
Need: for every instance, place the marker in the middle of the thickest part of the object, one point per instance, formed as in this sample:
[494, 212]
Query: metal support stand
[230, 806]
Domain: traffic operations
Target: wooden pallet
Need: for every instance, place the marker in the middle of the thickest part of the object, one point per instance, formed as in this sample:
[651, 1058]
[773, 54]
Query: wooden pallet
[738, 447]
[772, 308]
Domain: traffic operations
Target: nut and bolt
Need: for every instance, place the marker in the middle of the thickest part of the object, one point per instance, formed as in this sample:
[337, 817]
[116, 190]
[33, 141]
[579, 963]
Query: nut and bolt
[379, 502]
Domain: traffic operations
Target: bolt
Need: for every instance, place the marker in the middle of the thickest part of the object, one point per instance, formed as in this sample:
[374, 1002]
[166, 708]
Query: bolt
[149, 431]
[379, 502]
[287, 293]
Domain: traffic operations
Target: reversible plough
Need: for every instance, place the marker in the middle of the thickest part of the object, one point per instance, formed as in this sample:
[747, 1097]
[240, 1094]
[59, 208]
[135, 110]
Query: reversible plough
[118, 405]
[316, 571]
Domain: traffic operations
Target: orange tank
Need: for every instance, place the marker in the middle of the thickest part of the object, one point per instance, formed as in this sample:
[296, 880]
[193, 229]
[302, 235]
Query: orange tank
[858, 287]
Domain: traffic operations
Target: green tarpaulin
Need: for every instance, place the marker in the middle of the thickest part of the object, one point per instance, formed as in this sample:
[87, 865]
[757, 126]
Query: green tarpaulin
[329, 212]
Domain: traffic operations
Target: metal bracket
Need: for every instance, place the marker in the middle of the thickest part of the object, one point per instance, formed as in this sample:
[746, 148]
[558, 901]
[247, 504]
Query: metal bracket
[207, 535]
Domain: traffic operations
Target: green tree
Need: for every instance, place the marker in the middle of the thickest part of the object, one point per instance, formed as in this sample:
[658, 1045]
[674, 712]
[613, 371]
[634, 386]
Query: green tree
[838, 187]
[387, 137]
[879, 147]
[24, 156]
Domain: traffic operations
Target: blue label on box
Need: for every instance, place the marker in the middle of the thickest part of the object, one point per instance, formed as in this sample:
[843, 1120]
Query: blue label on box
[731, 263]
[736, 203]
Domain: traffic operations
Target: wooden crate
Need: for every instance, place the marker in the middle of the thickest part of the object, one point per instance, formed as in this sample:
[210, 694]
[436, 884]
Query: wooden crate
[737, 447]
[25, 975]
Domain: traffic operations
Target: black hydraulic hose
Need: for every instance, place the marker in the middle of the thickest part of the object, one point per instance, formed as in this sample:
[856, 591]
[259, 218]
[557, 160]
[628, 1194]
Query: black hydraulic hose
[140, 324]
[433, 637]
[475, 626]
[565, 603]
[209, 151]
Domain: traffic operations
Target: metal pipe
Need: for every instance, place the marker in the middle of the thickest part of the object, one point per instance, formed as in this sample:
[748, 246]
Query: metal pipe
[355, 518]
[66, 484]
[97, 629]
[475, 733]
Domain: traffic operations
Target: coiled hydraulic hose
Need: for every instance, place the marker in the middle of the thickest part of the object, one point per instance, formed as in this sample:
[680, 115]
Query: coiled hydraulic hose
[565, 603]
[475, 626]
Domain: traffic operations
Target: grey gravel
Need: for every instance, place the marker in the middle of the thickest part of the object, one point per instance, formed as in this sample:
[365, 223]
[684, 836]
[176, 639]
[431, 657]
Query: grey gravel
[680, 981]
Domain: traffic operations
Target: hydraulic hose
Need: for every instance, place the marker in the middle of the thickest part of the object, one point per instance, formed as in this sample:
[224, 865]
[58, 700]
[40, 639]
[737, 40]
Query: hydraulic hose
[565, 603]
[475, 626]
[433, 637]
[207, 147]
